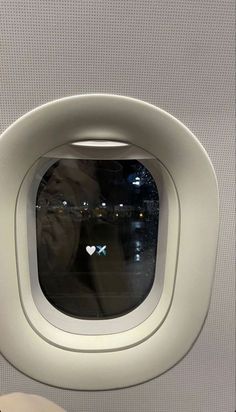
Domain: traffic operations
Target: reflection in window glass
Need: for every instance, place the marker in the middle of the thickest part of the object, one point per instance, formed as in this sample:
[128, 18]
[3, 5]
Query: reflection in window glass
[97, 225]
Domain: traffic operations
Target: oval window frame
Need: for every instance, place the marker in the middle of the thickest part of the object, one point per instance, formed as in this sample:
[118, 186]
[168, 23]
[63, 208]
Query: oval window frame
[124, 119]
[136, 325]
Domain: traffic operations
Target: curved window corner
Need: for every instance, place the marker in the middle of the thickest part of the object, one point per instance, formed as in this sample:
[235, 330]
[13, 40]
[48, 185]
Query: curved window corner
[108, 259]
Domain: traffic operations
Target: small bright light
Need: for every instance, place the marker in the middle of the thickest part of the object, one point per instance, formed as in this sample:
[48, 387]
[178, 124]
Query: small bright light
[136, 183]
[99, 143]
[103, 204]
[121, 205]
[117, 214]
[140, 214]
[137, 178]
[64, 202]
[84, 203]
[137, 257]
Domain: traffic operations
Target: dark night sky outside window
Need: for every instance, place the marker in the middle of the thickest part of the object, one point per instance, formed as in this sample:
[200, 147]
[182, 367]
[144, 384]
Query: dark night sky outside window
[97, 226]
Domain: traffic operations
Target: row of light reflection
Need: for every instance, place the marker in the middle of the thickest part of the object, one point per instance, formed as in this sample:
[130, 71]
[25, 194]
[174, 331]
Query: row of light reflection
[119, 210]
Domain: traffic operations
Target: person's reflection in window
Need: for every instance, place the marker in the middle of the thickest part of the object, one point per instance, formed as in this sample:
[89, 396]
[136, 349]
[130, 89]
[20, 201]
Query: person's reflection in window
[77, 207]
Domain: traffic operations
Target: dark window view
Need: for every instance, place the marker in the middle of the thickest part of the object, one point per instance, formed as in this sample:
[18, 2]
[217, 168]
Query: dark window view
[97, 225]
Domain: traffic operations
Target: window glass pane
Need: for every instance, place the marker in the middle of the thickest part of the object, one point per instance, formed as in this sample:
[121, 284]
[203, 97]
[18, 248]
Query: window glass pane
[97, 225]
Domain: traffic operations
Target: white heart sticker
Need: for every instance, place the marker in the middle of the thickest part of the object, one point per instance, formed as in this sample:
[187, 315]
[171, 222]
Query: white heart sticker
[90, 250]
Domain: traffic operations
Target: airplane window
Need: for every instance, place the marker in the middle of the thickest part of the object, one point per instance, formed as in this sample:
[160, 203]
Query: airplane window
[97, 230]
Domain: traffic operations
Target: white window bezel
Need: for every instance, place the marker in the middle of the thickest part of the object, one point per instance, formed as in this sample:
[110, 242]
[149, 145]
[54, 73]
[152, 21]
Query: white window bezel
[84, 335]
[74, 361]
[168, 215]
